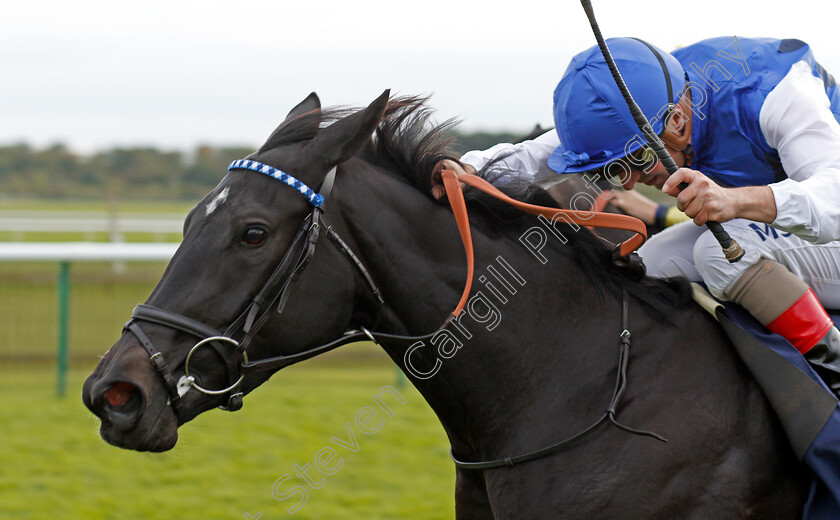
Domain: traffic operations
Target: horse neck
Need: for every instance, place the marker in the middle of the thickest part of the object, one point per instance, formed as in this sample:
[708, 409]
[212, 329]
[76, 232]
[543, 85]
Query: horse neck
[510, 352]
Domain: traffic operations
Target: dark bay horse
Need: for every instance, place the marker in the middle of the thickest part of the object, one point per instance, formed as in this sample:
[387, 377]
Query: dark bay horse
[532, 360]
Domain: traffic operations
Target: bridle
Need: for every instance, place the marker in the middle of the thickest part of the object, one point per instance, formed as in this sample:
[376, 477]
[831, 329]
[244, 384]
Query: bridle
[246, 326]
[298, 255]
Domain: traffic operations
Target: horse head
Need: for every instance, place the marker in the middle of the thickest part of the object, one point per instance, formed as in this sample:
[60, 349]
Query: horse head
[244, 247]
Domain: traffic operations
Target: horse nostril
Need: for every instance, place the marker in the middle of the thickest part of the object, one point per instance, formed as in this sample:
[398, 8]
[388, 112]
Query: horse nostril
[123, 405]
[119, 394]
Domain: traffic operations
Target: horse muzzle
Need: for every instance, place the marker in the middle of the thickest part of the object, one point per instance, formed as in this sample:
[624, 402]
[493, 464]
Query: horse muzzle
[126, 395]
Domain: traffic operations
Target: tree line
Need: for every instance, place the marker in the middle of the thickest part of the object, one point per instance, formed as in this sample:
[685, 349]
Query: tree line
[142, 172]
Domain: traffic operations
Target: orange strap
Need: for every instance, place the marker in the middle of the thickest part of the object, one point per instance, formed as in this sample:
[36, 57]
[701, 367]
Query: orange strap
[459, 208]
[600, 203]
[452, 183]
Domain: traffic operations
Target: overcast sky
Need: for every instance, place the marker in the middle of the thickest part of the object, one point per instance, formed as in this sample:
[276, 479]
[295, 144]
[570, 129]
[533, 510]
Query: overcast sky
[95, 74]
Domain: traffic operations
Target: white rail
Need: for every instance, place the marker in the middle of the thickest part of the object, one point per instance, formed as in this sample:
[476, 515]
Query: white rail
[85, 251]
[88, 222]
[65, 253]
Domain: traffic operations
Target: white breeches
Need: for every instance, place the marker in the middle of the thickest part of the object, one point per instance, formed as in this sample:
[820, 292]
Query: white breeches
[692, 251]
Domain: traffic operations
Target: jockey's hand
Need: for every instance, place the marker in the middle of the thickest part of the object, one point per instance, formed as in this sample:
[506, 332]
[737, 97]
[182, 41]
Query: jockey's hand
[703, 200]
[438, 190]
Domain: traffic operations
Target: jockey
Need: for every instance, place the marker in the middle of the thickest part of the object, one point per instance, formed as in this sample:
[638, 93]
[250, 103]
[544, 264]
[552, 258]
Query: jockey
[753, 124]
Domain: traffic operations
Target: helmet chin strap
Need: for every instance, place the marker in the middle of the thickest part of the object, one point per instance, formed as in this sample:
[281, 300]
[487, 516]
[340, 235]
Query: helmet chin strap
[672, 139]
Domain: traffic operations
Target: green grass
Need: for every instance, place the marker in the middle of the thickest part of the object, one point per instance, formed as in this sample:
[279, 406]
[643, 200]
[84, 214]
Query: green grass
[101, 300]
[655, 194]
[53, 465]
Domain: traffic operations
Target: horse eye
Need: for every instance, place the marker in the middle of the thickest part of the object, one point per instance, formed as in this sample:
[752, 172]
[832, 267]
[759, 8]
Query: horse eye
[254, 236]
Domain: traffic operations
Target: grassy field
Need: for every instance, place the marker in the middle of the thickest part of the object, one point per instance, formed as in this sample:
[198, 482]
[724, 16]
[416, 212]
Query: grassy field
[53, 465]
[101, 294]
[101, 300]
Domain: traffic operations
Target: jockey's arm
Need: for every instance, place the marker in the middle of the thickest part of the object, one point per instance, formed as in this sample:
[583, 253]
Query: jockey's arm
[528, 158]
[637, 205]
[796, 120]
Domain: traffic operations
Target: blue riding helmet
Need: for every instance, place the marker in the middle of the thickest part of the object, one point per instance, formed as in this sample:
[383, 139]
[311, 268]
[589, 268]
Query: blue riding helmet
[590, 115]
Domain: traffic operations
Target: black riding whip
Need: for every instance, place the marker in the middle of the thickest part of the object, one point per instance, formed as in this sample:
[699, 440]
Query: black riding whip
[731, 249]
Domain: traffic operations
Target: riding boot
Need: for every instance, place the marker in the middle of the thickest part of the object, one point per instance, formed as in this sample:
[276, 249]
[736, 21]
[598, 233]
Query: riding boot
[787, 306]
[808, 327]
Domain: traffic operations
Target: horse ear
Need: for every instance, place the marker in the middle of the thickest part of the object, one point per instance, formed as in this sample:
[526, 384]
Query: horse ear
[344, 138]
[309, 111]
[307, 105]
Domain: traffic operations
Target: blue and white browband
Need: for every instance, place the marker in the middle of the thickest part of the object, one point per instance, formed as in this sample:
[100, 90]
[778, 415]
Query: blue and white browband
[315, 199]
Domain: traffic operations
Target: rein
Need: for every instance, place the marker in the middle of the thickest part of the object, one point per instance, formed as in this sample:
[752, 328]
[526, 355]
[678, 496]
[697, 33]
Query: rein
[298, 255]
[609, 413]
[590, 219]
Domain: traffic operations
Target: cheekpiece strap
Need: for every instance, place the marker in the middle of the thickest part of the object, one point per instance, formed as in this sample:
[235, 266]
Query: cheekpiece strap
[244, 164]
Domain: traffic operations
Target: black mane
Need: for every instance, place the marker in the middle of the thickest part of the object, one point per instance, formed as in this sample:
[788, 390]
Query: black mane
[410, 145]
[409, 142]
